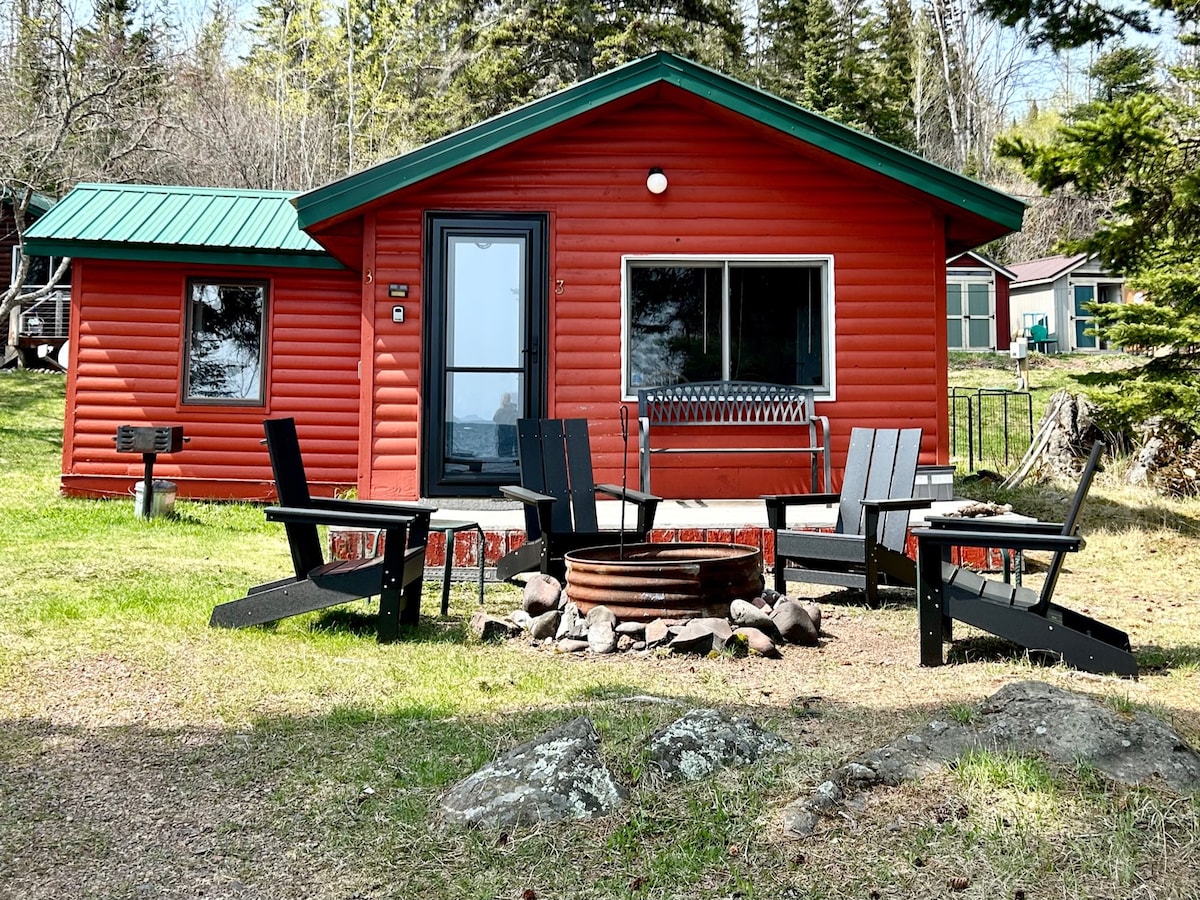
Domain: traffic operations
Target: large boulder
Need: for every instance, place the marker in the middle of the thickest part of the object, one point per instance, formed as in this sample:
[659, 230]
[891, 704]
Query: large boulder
[704, 740]
[745, 614]
[1028, 717]
[542, 594]
[794, 623]
[556, 777]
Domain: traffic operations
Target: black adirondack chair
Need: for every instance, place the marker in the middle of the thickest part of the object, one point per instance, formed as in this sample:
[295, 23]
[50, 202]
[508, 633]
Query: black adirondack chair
[1026, 617]
[396, 576]
[559, 494]
[866, 548]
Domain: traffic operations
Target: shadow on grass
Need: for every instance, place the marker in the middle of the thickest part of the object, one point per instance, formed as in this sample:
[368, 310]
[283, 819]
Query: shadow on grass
[1151, 659]
[1155, 660]
[340, 620]
[889, 597]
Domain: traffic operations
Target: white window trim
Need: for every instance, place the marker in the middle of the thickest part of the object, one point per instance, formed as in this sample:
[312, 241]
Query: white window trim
[824, 261]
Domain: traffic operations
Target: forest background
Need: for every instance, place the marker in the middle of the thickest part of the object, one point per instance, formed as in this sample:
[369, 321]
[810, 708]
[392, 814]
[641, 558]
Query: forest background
[294, 94]
[1088, 111]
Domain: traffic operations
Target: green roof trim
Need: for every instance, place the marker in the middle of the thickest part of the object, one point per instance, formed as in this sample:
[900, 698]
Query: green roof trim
[346, 194]
[161, 223]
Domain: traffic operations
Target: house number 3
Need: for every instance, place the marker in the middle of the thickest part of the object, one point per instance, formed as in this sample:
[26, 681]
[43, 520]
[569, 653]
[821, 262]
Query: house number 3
[558, 286]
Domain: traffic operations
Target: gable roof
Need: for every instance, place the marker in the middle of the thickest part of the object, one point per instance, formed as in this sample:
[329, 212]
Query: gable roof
[176, 224]
[342, 197]
[984, 261]
[1048, 268]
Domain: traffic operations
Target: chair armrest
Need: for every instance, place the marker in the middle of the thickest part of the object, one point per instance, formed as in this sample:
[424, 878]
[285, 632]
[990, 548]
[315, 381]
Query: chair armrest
[614, 490]
[779, 500]
[647, 504]
[525, 495]
[382, 507]
[777, 505]
[895, 504]
[542, 504]
[962, 523]
[998, 539]
[309, 516]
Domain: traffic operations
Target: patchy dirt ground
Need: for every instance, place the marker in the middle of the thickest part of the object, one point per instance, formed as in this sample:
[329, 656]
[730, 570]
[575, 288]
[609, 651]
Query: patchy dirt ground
[108, 794]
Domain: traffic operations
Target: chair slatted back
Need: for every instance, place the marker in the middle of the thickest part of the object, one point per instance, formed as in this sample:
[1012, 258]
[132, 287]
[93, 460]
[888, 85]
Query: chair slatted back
[291, 486]
[556, 459]
[881, 464]
[1070, 525]
[579, 473]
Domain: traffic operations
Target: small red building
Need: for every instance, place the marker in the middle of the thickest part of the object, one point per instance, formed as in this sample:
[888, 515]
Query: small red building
[658, 223]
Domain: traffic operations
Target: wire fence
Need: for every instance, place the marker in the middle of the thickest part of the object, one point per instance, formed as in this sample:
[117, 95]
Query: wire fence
[990, 427]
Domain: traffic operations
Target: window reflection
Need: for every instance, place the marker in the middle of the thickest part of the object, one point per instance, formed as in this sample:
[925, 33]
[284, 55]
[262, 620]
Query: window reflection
[715, 321]
[225, 341]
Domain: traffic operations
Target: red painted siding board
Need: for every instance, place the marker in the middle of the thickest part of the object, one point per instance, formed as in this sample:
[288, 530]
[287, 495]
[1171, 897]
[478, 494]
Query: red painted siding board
[725, 183]
[128, 363]
[727, 176]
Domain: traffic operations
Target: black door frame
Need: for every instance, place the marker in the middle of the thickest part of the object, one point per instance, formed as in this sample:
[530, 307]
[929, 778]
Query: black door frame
[439, 226]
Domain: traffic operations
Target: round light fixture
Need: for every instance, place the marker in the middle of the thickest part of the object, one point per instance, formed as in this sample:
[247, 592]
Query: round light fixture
[656, 181]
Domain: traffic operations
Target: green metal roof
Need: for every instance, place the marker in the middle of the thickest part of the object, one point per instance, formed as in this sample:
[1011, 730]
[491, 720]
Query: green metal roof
[39, 203]
[176, 224]
[345, 195]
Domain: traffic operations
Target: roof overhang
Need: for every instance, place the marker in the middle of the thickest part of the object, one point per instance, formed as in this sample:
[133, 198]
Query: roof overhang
[977, 212]
[177, 224]
[179, 254]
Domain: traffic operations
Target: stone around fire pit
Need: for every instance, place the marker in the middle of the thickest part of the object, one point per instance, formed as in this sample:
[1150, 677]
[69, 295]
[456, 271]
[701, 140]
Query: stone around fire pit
[600, 632]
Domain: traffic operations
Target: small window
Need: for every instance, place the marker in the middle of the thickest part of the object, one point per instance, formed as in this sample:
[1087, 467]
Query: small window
[721, 320]
[39, 272]
[226, 328]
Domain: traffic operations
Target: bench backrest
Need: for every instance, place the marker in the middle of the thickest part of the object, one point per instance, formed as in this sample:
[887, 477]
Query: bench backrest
[881, 464]
[726, 403]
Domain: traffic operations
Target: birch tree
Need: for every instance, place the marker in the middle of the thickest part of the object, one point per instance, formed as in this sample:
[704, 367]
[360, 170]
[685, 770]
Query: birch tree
[77, 101]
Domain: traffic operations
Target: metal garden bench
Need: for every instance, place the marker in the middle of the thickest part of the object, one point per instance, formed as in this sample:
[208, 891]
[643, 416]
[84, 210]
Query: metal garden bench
[726, 403]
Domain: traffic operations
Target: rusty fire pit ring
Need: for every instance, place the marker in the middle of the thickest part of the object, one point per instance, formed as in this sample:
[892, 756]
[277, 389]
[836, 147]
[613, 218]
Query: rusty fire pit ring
[667, 581]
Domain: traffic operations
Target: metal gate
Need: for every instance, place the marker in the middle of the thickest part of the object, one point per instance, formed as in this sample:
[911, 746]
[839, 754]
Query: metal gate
[990, 427]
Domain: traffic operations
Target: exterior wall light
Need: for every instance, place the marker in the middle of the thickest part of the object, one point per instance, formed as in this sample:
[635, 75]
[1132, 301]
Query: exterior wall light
[656, 181]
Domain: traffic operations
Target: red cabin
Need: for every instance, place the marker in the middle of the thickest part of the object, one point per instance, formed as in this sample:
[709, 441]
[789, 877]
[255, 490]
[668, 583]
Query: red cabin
[656, 224]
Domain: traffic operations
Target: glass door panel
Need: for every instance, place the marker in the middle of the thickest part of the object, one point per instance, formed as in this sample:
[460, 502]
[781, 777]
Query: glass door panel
[483, 361]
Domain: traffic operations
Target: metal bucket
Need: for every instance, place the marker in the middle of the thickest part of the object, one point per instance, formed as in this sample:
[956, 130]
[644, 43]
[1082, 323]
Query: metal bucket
[162, 499]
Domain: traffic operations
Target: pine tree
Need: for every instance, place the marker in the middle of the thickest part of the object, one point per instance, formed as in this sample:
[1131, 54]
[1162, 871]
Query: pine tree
[521, 49]
[1142, 149]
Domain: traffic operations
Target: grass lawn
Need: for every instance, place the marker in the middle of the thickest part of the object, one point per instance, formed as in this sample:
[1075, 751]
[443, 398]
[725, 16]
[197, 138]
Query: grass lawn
[144, 755]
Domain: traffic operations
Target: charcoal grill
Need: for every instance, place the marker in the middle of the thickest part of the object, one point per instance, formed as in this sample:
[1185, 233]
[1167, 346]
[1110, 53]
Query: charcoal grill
[149, 440]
